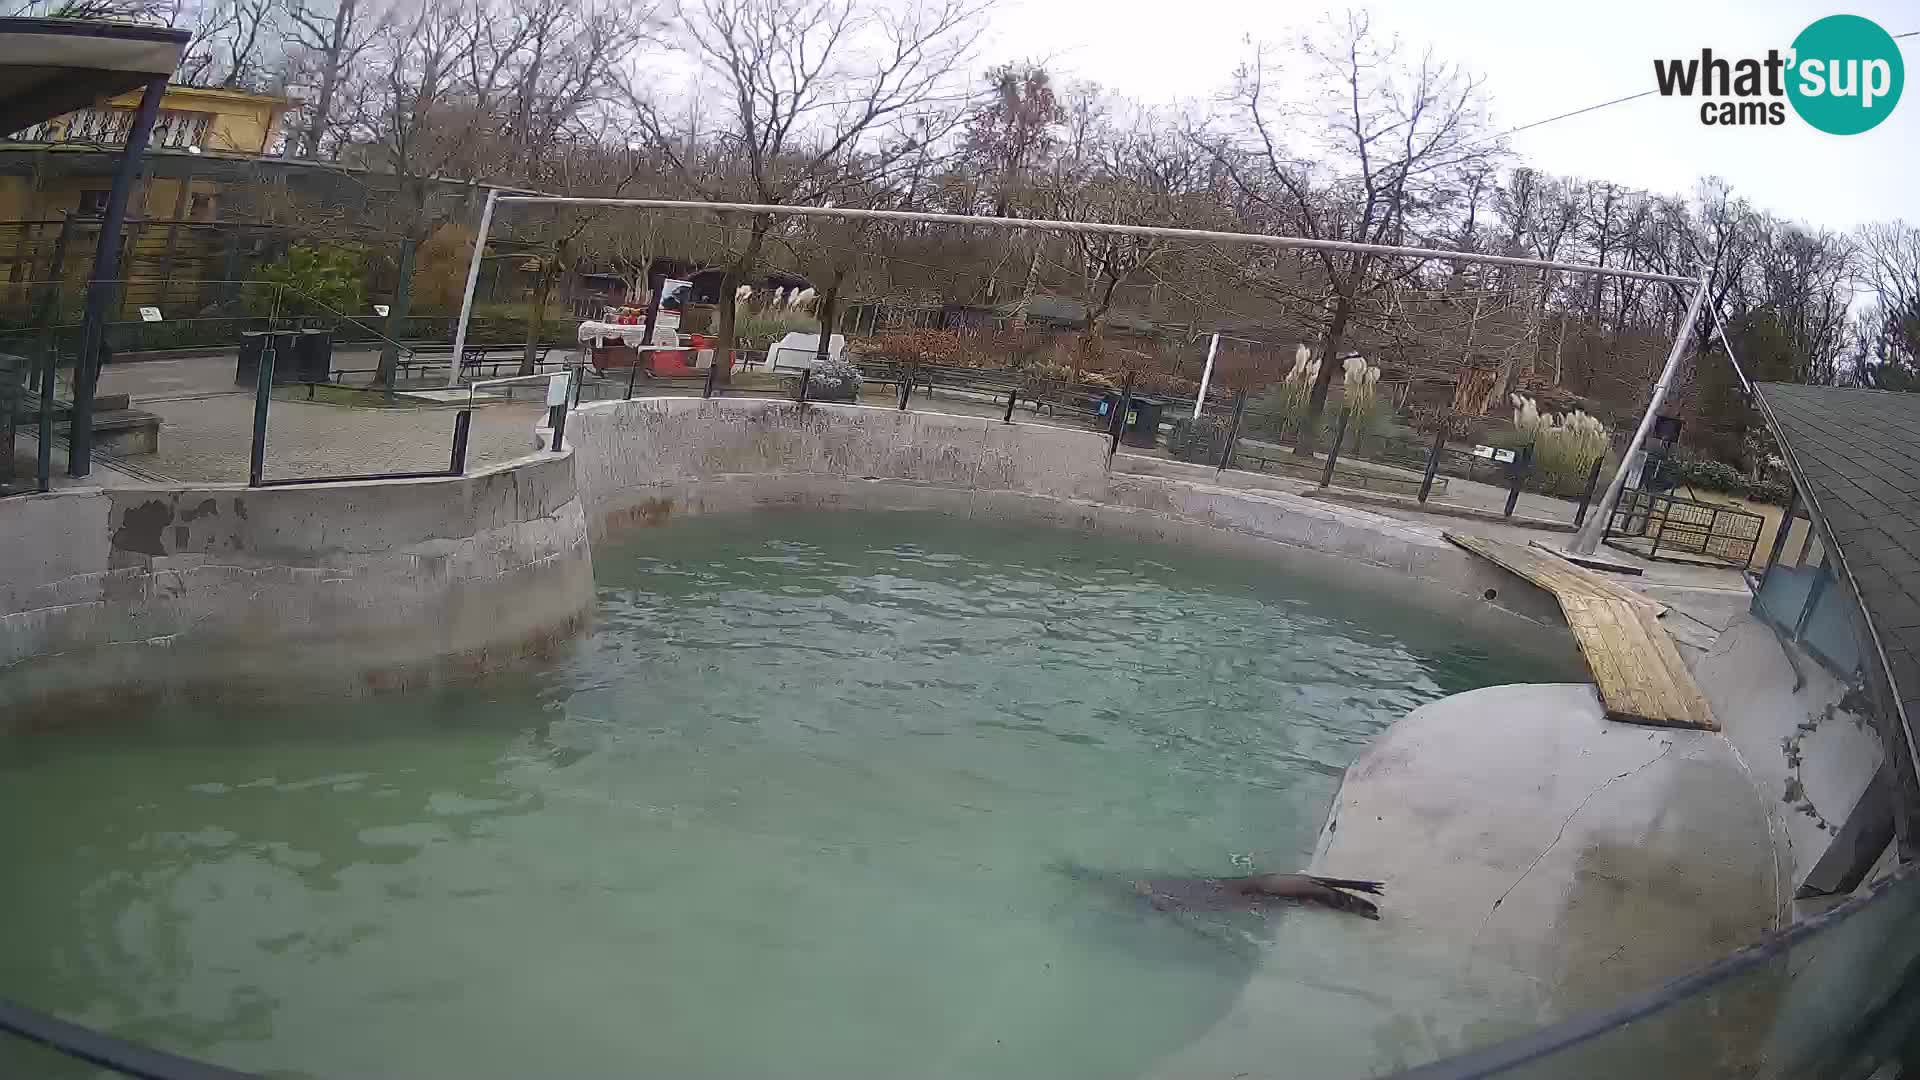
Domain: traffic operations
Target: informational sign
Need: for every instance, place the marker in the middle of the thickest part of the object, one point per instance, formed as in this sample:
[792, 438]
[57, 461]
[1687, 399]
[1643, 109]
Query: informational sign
[675, 295]
[557, 389]
[1492, 453]
[381, 310]
[149, 314]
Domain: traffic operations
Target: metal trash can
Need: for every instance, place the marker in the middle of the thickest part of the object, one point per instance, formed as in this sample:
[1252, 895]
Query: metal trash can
[1143, 422]
[246, 371]
[312, 359]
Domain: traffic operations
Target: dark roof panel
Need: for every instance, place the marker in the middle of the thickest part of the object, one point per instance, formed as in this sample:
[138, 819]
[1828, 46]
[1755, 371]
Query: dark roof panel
[49, 67]
[1856, 454]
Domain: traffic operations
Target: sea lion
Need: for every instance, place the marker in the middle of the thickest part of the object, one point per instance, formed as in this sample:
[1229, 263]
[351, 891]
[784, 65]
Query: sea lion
[1251, 893]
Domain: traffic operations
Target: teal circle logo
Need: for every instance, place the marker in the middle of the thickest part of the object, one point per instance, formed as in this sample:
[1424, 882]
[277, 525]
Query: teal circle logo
[1846, 75]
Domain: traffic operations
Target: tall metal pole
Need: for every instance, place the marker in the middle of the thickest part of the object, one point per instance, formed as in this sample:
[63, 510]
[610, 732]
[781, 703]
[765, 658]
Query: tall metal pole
[473, 280]
[1206, 375]
[1587, 540]
[106, 275]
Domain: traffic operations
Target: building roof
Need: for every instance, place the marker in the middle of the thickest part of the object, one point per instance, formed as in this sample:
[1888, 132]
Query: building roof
[49, 67]
[1856, 454]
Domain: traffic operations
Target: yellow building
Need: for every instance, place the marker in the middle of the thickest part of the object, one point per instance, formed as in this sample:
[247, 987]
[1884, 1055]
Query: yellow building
[205, 143]
[56, 167]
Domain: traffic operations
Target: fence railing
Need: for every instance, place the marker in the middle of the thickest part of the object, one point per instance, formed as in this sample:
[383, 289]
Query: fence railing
[1674, 529]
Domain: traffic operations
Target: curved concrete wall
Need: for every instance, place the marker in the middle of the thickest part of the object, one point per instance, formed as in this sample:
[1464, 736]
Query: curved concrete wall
[646, 461]
[230, 591]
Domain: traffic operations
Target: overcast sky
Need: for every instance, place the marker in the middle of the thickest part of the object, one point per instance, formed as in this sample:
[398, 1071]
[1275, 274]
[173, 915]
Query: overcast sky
[1538, 59]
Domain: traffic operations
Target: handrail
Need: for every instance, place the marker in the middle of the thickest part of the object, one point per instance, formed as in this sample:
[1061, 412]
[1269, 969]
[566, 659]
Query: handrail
[98, 1048]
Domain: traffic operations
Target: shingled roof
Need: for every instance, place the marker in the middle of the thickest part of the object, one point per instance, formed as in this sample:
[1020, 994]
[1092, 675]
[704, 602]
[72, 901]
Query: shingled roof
[1856, 454]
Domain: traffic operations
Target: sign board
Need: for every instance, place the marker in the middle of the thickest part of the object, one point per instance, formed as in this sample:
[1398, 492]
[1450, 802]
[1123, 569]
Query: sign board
[1492, 454]
[381, 310]
[557, 389]
[675, 295]
[149, 314]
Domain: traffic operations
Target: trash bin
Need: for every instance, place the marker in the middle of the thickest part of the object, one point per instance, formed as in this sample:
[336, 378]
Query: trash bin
[246, 370]
[312, 359]
[1143, 422]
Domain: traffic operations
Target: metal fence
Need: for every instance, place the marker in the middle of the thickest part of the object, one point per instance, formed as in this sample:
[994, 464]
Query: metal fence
[1674, 529]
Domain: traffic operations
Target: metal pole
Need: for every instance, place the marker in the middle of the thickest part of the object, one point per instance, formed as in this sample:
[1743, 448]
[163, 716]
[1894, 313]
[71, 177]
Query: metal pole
[1587, 540]
[461, 421]
[1233, 431]
[1433, 458]
[713, 376]
[1333, 452]
[806, 377]
[473, 281]
[1785, 527]
[1206, 375]
[1586, 497]
[262, 391]
[1522, 465]
[106, 273]
[45, 463]
[971, 221]
[1119, 425]
[1013, 398]
[906, 386]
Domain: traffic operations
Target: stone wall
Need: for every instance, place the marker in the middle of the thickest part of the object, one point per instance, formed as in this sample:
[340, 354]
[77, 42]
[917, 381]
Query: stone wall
[228, 591]
[646, 461]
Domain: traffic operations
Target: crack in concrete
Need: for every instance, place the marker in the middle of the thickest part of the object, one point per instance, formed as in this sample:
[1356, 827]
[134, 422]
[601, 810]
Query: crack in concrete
[1557, 837]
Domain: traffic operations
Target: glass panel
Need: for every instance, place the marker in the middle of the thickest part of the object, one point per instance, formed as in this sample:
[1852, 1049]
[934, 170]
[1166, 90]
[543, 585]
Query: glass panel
[1839, 997]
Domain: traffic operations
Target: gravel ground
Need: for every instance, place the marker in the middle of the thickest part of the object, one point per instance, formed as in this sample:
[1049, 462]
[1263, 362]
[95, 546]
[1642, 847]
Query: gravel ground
[209, 438]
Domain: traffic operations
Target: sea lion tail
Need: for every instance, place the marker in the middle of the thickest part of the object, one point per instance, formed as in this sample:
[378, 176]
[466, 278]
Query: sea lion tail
[1374, 887]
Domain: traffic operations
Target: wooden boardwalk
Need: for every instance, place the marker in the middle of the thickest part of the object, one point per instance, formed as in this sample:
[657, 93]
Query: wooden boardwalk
[1640, 674]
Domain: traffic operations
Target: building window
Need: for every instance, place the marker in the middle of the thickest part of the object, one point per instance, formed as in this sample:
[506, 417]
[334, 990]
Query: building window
[176, 130]
[202, 209]
[93, 203]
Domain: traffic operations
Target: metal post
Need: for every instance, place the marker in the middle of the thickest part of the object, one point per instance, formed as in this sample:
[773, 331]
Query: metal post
[1586, 497]
[713, 377]
[558, 393]
[473, 280]
[806, 376]
[1333, 452]
[634, 373]
[1660, 528]
[1433, 458]
[1587, 540]
[106, 274]
[1233, 430]
[1522, 465]
[1206, 375]
[461, 420]
[1118, 426]
[262, 392]
[1786, 525]
[45, 464]
[906, 386]
[1013, 398]
[654, 285]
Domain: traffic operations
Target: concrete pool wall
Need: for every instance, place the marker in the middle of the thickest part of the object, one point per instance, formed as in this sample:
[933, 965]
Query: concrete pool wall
[649, 460]
[229, 591]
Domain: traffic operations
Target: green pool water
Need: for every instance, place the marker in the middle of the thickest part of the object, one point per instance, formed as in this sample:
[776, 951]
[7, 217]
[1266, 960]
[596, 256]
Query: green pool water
[819, 796]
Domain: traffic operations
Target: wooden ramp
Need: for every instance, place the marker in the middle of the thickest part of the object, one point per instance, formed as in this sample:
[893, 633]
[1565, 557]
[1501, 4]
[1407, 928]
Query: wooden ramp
[1639, 672]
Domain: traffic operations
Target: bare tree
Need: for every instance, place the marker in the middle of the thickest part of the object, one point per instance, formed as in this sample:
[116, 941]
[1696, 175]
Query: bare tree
[1378, 157]
[325, 38]
[235, 43]
[1133, 169]
[820, 95]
